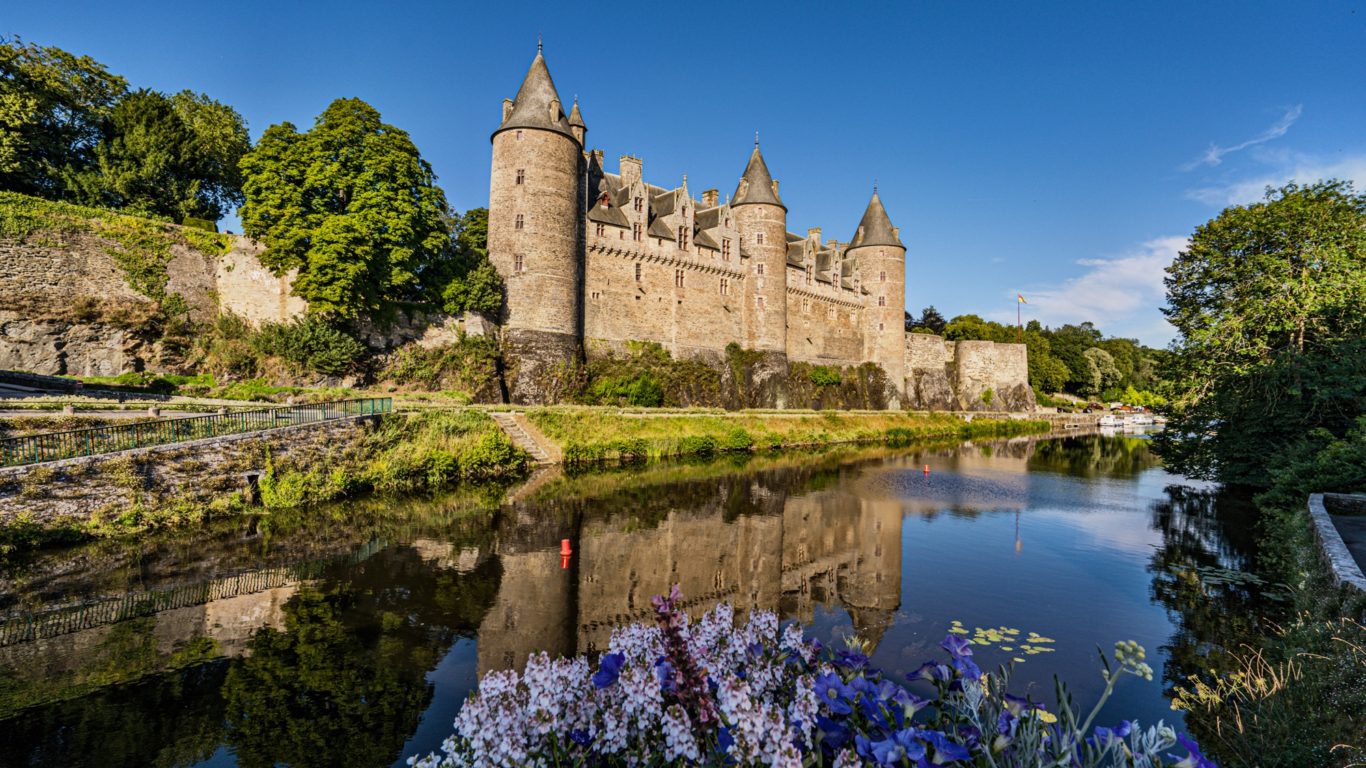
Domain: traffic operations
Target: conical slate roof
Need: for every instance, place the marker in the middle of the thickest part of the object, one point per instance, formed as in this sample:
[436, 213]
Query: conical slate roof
[875, 228]
[537, 104]
[576, 117]
[756, 185]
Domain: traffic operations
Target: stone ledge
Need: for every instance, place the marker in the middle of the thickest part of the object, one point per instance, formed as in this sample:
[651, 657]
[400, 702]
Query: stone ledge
[1345, 569]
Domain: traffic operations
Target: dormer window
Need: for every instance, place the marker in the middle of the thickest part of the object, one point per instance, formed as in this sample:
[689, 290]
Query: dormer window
[683, 237]
[639, 204]
[601, 230]
[602, 201]
[810, 273]
[725, 249]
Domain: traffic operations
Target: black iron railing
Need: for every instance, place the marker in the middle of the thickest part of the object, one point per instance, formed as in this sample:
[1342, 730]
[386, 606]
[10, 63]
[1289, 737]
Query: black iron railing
[53, 446]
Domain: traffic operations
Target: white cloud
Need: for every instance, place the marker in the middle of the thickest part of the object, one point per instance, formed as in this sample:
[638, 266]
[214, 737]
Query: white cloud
[1215, 154]
[1121, 295]
[1283, 169]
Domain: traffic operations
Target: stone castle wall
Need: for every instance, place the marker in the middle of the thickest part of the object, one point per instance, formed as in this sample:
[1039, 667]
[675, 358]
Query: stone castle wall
[824, 324]
[249, 290]
[948, 375]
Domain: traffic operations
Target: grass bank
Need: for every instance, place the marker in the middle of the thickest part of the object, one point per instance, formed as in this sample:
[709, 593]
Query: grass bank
[588, 435]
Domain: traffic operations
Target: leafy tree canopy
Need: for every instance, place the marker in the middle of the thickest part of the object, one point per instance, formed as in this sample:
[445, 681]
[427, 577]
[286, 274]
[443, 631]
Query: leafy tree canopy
[1269, 301]
[930, 321]
[53, 108]
[351, 204]
[474, 285]
[174, 157]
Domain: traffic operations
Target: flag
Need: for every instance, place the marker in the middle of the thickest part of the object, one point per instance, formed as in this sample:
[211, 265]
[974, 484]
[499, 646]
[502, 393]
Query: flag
[1020, 296]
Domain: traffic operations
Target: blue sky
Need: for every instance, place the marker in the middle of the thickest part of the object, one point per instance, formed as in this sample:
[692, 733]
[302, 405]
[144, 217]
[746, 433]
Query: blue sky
[1059, 150]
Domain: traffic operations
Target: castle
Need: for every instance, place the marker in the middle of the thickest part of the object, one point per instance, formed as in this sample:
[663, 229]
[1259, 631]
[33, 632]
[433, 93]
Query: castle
[594, 260]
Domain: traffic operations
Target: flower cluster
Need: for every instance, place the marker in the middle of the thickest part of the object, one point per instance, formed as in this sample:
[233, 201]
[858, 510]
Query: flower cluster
[714, 693]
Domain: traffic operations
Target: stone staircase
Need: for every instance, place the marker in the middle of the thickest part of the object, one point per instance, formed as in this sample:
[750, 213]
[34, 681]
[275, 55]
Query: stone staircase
[524, 436]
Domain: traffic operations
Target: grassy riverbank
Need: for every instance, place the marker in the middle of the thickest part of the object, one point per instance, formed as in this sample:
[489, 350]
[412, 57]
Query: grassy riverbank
[597, 434]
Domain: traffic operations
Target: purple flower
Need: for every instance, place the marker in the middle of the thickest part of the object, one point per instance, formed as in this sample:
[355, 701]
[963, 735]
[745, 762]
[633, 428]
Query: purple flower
[945, 750]
[1105, 735]
[887, 752]
[910, 703]
[832, 692]
[957, 646]
[851, 660]
[581, 737]
[1194, 759]
[609, 669]
[930, 671]
[833, 735]
[665, 672]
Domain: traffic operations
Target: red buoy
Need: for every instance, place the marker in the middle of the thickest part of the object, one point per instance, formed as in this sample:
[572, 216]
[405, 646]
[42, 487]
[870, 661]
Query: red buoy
[927, 470]
[565, 552]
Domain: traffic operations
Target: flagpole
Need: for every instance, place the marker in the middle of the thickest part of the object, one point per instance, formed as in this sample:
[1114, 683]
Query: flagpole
[1019, 326]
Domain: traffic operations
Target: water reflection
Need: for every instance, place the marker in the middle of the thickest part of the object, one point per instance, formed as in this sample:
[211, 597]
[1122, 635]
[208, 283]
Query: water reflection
[349, 637]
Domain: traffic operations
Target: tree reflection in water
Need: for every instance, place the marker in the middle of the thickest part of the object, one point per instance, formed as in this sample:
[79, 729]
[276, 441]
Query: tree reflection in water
[1205, 575]
[345, 682]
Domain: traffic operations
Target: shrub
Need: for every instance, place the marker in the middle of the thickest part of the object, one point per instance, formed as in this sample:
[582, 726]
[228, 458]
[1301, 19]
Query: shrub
[312, 343]
[824, 376]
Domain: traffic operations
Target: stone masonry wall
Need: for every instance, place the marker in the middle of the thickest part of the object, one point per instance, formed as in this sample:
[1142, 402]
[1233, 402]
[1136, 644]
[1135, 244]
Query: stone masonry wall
[76, 490]
[249, 290]
[950, 375]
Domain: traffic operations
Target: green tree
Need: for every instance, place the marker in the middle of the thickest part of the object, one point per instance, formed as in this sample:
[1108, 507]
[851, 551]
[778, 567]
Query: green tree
[1101, 373]
[174, 157]
[473, 284]
[930, 320]
[352, 205]
[1269, 301]
[53, 109]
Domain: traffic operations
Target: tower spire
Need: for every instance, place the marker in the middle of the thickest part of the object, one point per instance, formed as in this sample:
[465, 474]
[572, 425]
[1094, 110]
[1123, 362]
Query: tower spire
[538, 104]
[756, 185]
[875, 228]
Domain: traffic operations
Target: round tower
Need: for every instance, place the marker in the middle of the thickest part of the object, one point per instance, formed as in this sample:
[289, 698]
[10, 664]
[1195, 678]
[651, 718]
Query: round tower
[881, 258]
[761, 219]
[533, 236]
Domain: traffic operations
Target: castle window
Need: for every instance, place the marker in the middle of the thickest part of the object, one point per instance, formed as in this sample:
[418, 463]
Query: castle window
[596, 295]
[639, 204]
[725, 249]
[882, 301]
[678, 278]
[517, 263]
[882, 276]
[521, 175]
[853, 318]
[810, 272]
[829, 313]
[683, 237]
[759, 239]
[637, 273]
[635, 232]
[727, 221]
[806, 304]
[519, 222]
[518, 135]
[759, 268]
[759, 301]
[725, 287]
[881, 326]
[601, 230]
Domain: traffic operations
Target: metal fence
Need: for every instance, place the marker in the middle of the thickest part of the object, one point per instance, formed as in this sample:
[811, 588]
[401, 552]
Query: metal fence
[53, 446]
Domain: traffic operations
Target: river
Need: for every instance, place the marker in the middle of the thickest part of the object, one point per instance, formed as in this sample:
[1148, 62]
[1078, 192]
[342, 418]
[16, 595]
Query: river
[350, 635]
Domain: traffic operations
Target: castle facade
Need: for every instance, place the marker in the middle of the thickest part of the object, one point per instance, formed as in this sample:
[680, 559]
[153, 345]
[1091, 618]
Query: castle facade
[593, 260]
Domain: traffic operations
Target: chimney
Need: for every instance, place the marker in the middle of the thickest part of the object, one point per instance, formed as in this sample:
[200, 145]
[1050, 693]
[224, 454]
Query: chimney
[814, 233]
[597, 156]
[630, 169]
[896, 232]
[710, 197]
[507, 109]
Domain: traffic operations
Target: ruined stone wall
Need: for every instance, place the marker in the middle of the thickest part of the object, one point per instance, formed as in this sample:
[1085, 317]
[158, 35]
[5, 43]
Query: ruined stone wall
[251, 291]
[966, 375]
[75, 490]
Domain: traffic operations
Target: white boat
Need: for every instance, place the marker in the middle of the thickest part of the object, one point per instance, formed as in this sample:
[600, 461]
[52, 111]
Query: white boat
[1141, 419]
[1111, 421]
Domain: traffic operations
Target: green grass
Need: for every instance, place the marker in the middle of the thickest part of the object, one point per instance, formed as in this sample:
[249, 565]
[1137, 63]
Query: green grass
[590, 434]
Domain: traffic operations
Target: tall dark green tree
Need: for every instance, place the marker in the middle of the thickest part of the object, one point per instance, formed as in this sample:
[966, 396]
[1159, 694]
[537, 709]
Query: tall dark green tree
[174, 157]
[53, 111]
[1269, 301]
[351, 204]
